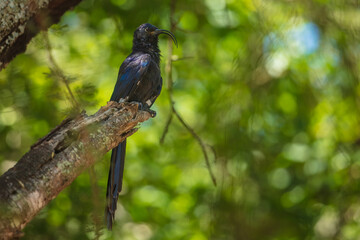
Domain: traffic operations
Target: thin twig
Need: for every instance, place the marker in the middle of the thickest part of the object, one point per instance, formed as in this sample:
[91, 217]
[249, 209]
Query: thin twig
[168, 70]
[181, 59]
[201, 143]
[58, 72]
[213, 150]
[166, 128]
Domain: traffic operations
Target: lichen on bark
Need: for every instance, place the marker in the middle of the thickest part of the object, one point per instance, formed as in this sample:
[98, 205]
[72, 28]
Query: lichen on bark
[21, 20]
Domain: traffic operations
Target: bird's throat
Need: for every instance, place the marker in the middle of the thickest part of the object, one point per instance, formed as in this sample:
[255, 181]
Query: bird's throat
[150, 48]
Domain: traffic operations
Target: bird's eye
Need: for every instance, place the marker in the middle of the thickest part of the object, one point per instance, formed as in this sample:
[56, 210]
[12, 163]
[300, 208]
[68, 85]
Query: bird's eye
[146, 30]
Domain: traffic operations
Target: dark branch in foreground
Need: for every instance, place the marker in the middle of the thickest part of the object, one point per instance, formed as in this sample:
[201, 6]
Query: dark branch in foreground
[58, 158]
[20, 21]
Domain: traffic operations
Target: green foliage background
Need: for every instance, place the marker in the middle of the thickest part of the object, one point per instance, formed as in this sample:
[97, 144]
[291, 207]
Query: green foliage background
[273, 86]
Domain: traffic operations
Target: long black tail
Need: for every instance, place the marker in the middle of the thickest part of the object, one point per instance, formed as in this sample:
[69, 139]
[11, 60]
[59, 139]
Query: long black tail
[115, 179]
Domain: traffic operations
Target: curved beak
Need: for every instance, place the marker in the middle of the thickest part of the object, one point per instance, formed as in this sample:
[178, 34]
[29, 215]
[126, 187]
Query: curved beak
[162, 31]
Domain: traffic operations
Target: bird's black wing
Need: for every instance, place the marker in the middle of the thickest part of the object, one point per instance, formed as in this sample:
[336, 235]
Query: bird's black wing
[131, 72]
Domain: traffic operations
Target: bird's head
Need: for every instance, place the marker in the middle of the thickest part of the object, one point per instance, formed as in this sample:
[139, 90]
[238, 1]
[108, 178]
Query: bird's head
[147, 36]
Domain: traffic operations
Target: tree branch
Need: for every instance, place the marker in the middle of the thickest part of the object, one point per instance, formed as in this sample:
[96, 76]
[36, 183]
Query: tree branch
[21, 20]
[58, 158]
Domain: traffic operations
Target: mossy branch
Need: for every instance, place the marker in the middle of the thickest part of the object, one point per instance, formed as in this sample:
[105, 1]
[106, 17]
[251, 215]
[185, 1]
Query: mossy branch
[56, 160]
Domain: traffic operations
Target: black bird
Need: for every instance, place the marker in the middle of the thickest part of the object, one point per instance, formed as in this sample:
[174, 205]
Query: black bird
[139, 80]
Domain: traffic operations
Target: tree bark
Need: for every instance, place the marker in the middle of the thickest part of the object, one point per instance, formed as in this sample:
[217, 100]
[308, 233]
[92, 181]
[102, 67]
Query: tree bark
[21, 20]
[58, 158]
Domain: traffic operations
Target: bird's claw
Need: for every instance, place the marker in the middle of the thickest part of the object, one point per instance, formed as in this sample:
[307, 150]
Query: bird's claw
[152, 112]
[145, 108]
[139, 105]
[124, 99]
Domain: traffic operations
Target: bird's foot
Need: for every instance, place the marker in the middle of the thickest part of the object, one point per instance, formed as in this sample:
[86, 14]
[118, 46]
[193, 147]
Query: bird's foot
[139, 105]
[152, 112]
[145, 108]
[124, 99]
